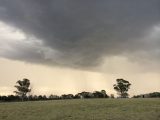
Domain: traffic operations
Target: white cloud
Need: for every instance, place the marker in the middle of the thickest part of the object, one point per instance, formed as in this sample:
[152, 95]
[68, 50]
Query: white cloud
[10, 33]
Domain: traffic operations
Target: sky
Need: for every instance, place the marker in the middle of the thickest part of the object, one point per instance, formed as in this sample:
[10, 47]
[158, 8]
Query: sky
[69, 46]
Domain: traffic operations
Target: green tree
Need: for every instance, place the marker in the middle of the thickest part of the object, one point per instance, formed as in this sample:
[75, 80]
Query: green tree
[104, 94]
[23, 88]
[122, 87]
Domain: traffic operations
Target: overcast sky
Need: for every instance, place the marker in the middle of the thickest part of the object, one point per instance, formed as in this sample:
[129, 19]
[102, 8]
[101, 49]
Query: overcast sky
[67, 46]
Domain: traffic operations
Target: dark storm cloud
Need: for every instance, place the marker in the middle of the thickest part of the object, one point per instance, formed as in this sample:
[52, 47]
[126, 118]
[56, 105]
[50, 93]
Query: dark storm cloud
[82, 32]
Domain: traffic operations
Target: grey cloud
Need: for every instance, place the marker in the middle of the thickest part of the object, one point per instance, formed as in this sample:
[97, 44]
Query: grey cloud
[82, 32]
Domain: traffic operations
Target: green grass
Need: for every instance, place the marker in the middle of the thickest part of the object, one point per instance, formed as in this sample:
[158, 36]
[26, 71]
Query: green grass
[84, 109]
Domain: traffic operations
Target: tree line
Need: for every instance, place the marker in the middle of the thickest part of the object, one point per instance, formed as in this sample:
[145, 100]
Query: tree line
[149, 95]
[23, 89]
[81, 95]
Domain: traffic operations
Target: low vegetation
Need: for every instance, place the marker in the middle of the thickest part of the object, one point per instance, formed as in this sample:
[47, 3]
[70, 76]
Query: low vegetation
[82, 109]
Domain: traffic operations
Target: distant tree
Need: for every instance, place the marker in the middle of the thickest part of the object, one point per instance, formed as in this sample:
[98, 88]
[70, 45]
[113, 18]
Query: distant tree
[44, 97]
[149, 95]
[122, 87]
[154, 95]
[11, 98]
[30, 97]
[35, 97]
[86, 94]
[53, 97]
[4, 98]
[22, 88]
[40, 97]
[67, 96]
[78, 95]
[98, 94]
[104, 94]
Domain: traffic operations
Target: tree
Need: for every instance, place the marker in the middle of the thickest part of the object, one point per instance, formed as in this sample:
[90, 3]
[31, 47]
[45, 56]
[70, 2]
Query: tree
[23, 88]
[104, 94]
[98, 94]
[53, 97]
[122, 87]
[40, 97]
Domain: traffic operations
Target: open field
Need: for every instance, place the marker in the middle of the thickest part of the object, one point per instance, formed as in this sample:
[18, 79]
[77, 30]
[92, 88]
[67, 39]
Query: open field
[84, 109]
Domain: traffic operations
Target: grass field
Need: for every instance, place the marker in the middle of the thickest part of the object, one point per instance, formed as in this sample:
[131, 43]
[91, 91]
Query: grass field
[84, 109]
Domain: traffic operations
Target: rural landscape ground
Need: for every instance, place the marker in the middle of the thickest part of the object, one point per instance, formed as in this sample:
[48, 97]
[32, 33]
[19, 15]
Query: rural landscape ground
[82, 109]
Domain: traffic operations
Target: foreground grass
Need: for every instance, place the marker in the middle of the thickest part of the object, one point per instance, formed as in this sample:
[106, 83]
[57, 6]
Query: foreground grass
[85, 109]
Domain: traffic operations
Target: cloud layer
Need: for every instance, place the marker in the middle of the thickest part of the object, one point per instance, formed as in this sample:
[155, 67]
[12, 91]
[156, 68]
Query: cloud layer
[81, 33]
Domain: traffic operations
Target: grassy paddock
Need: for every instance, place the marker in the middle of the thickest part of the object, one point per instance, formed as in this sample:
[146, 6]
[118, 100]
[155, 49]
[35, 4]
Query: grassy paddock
[84, 109]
